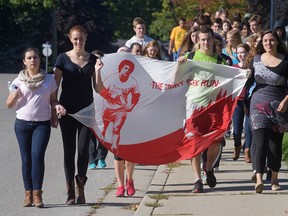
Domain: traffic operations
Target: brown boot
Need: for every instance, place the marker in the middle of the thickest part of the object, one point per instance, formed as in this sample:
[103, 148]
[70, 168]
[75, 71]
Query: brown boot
[247, 155]
[236, 153]
[70, 193]
[28, 201]
[80, 183]
[37, 198]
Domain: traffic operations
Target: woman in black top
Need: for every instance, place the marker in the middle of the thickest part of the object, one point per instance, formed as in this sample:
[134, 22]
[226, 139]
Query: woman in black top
[76, 68]
[268, 109]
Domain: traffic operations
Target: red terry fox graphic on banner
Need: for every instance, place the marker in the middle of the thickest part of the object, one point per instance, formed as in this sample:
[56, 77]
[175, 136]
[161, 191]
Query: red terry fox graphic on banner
[121, 94]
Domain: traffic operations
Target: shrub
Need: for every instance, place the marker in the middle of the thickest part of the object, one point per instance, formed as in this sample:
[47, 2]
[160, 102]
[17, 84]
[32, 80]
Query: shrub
[285, 147]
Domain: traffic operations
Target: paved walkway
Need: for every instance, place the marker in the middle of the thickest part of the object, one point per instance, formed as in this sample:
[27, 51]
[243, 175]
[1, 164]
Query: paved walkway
[161, 190]
[169, 192]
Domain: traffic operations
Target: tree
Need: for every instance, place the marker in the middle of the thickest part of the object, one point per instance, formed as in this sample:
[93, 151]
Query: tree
[21, 25]
[122, 13]
[44, 3]
[92, 15]
[25, 23]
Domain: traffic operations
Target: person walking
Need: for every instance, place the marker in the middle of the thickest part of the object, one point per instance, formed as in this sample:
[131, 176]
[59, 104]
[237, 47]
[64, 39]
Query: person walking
[77, 69]
[233, 40]
[33, 93]
[279, 28]
[239, 111]
[117, 105]
[97, 152]
[256, 24]
[206, 53]
[176, 38]
[119, 164]
[269, 105]
[139, 28]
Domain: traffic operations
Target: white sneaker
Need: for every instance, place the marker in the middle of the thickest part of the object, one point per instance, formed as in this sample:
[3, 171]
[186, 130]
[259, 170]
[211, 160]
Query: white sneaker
[204, 178]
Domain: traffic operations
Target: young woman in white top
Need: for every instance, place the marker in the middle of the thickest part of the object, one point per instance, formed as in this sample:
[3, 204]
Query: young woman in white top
[33, 93]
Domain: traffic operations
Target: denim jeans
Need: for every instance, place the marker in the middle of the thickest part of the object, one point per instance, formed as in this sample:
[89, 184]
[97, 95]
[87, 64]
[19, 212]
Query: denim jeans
[238, 119]
[248, 133]
[175, 56]
[96, 150]
[33, 138]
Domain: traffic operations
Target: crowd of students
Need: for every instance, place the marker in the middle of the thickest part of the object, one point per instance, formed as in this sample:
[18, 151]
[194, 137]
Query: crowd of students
[239, 42]
[236, 42]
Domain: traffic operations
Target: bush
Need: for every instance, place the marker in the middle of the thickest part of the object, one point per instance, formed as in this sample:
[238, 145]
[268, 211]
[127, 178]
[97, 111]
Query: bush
[285, 147]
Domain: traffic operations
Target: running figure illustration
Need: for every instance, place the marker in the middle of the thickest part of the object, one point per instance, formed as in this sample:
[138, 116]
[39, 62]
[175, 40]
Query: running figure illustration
[121, 94]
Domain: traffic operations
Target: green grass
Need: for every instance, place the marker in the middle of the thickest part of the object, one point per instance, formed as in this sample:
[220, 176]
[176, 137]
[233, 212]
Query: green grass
[153, 204]
[159, 196]
[285, 147]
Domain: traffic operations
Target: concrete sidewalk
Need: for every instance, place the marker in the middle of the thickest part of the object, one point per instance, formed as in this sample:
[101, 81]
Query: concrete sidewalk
[169, 192]
[233, 195]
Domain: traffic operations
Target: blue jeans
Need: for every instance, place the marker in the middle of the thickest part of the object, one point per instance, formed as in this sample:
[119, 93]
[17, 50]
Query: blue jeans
[33, 138]
[238, 119]
[248, 133]
[96, 150]
[175, 56]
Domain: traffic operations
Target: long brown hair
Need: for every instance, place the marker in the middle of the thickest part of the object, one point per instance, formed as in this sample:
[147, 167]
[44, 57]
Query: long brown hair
[247, 49]
[187, 44]
[253, 49]
[152, 43]
[281, 48]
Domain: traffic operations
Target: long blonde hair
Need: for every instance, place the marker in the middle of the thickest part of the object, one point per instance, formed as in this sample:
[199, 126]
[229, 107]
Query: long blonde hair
[152, 43]
[235, 40]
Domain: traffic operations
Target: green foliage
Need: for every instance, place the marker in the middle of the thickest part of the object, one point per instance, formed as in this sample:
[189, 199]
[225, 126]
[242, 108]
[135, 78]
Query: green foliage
[24, 21]
[29, 23]
[122, 13]
[44, 3]
[21, 26]
[92, 15]
[285, 147]
[167, 16]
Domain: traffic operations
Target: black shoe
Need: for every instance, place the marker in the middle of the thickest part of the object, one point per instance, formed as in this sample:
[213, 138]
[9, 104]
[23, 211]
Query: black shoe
[269, 175]
[198, 187]
[211, 179]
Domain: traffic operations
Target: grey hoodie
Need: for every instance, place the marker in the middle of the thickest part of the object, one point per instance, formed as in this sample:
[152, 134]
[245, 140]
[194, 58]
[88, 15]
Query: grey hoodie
[280, 24]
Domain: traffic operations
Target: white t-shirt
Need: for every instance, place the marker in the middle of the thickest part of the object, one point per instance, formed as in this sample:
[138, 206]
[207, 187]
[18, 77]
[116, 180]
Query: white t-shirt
[141, 41]
[34, 105]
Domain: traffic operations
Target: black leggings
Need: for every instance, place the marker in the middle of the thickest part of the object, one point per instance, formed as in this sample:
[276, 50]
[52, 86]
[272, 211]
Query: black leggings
[266, 139]
[70, 128]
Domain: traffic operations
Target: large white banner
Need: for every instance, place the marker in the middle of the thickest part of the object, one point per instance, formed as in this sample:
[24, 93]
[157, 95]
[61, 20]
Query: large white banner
[155, 112]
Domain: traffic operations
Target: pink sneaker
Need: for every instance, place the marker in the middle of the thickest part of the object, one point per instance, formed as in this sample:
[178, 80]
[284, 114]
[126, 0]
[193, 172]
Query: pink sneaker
[130, 188]
[120, 191]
